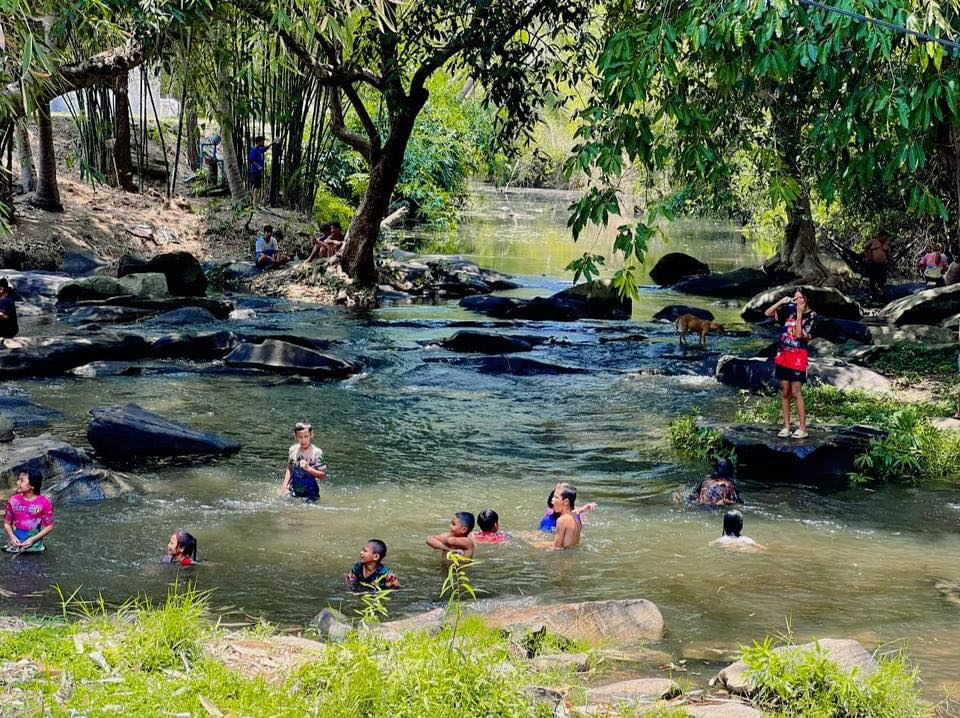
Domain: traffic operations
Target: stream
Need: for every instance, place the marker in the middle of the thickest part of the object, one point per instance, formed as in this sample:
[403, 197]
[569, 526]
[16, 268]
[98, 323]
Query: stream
[408, 442]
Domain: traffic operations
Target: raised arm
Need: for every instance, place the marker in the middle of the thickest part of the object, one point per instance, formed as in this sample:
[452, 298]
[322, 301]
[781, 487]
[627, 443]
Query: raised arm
[772, 309]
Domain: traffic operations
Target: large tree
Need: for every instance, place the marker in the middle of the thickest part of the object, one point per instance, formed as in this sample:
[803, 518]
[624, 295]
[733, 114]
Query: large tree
[376, 61]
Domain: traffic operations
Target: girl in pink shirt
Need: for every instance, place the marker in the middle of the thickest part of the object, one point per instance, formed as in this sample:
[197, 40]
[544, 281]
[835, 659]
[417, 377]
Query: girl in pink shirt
[29, 516]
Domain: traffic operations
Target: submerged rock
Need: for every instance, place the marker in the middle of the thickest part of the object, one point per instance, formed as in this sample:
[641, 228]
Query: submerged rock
[675, 266]
[280, 356]
[849, 655]
[105, 315]
[25, 414]
[486, 343]
[44, 454]
[743, 282]
[56, 355]
[826, 301]
[502, 364]
[930, 306]
[88, 486]
[672, 312]
[186, 315]
[217, 307]
[128, 432]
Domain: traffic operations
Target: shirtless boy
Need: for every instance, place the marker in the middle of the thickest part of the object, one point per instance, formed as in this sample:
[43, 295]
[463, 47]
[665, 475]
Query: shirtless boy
[457, 538]
[568, 528]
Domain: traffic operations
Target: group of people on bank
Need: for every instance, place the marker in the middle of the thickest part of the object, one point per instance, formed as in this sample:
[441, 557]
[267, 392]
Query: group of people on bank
[269, 255]
[934, 267]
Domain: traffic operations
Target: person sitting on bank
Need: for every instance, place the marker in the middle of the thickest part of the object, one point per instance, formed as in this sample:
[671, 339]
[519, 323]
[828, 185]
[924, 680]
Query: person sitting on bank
[305, 466]
[369, 574]
[933, 265]
[268, 254]
[731, 538]
[876, 257]
[8, 311]
[328, 242]
[718, 489]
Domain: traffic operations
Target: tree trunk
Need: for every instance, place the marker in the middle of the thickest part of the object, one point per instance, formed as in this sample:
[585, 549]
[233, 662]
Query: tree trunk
[798, 252]
[231, 165]
[122, 154]
[28, 173]
[47, 196]
[357, 255]
[192, 134]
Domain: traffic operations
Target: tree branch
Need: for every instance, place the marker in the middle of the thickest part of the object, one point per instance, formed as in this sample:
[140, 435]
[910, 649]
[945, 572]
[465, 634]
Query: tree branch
[340, 130]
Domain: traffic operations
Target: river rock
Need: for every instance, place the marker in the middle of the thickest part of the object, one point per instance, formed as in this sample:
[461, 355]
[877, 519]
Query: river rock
[502, 364]
[81, 262]
[672, 312]
[839, 331]
[25, 414]
[219, 308]
[44, 454]
[199, 345]
[638, 690]
[930, 306]
[826, 301]
[602, 299]
[278, 356]
[185, 277]
[576, 662]
[592, 300]
[498, 307]
[331, 624]
[106, 368]
[743, 282]
[88, 486]
[893, 292]
[100, 287]
[485, 343]
[825, 457]
[186, 315]
[55, 355]
[727, 709]
[849, 655]
[620, 622]
[675, 266]
[451, 276]
[130, 264]
[128, 432]
[36, 287]
[105, 315]
[758, 374]
[7, 433]
[430, 621]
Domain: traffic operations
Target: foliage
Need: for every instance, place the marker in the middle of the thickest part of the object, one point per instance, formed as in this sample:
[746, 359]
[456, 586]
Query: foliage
[690, 439]
[327, 207]
[916, 361]
[791, 682]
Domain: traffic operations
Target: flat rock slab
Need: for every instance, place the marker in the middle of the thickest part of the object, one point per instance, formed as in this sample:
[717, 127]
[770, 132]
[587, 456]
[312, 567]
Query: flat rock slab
[128, 432]
[722, 710]
[848, 654]
[88, 486]
[930, 306]
[56, 355]
[283, 357]
[513, 365]
[578, 662]
[759, 374]
[672, 312]
[912, 333]
[43, 454]
[639, 690]
[219, 308]
[198, 345]
[824, 458]
[825, 301]
[621, 622]
[25, 414]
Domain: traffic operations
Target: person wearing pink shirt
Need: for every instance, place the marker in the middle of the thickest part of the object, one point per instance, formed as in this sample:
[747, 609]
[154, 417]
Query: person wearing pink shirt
[29, 516]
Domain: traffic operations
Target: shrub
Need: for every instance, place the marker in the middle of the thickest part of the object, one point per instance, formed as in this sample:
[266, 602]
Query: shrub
[327, 207]
[690, 439]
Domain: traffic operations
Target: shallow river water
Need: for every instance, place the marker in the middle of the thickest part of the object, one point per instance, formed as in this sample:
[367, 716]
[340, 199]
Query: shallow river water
[410, 441]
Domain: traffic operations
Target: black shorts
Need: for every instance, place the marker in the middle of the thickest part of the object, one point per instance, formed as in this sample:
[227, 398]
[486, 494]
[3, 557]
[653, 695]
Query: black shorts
[784, 374]
[256, 180]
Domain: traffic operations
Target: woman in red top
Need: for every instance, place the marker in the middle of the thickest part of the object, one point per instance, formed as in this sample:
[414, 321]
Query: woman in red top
[792, 358]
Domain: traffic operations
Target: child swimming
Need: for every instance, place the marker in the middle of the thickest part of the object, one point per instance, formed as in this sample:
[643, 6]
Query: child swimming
[489, 522]
[731, 538]
[28, 517]
[548, 524]
[181, 549]
[369, 574]
[456, 539]
[568, 525]
[305, 465]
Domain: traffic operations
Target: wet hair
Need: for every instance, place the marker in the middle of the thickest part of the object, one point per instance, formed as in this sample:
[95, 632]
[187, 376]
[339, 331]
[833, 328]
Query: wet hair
[569, 493]
[732, 523]
[268, 228]
[35, 478]
[466, 518]
[487, 519]
[724, 469]
[187, 544]
[378, 547]
[302, 426]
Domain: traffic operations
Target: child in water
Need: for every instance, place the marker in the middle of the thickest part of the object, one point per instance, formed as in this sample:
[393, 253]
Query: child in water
[28, 516]
[369, 574]
[182, 549]
[548, 524]
[489, 522]
[456, 539]
[305, 465]
[732, 526]
[568, 524]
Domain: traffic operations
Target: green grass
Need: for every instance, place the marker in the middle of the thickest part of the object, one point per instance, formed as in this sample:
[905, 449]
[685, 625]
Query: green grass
[912, 360]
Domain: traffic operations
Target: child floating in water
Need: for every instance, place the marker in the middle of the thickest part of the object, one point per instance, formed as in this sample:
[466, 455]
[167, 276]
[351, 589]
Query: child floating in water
[489, 522]
[305, 466]
[720, 488]
[182, 549]
[369, 574]
[456, 539]
[28, 516]
[548, 524]
[732, 526]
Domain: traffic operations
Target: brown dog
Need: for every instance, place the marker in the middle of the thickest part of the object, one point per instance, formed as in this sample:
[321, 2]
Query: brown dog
[689, 323]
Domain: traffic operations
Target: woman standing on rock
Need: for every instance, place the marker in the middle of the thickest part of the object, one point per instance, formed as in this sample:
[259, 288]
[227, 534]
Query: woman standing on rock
[792, 358]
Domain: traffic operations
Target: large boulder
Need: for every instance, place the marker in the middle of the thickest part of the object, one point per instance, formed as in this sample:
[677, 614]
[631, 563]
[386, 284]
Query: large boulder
[758, 374]
[743, 282]
[88, 486]
[128, 432]
[278, 356]
[485, 343]
[55, 355]
[848, 655]
[675, 266]
[602, 299]
[44, 454]
[101, 287]
[186, 315]
[672, 312]
[200, 345]
[825, 458]
[930, 306]
[39, 288]
[826, 301]
[185, 277]
[25, 414]
[622, 622]
[591, 300]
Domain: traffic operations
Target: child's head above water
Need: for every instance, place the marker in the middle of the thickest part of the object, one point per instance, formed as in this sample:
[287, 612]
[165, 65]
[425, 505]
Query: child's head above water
[462, 523]
[182, 544]
[563, 495]
[724, 469]
[373, 551]
[732, 523]
[488, 520]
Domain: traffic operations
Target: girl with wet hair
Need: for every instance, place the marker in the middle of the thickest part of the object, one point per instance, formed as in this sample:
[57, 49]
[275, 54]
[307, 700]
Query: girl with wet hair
[182, 549]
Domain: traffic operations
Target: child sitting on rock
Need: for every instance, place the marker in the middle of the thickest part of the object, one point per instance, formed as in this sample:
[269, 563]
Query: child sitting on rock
[28, 516]
[489, 522]
[369, 574]
[732, 526]
[181, 549]
[457, 538]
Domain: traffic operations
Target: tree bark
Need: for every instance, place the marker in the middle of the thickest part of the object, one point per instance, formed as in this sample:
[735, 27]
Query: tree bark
[798, 253]
[231, 164]
[28, 173]
[192, 135]
[47, 196]
[122, 154]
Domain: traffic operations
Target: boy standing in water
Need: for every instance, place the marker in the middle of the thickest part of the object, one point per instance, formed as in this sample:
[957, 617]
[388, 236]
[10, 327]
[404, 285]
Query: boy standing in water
[456, 539]
[305, 466]
[29, 516]
[568, 527]
[369, 574]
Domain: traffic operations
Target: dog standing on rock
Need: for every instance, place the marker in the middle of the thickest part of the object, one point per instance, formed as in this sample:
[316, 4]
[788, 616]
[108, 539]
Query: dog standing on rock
[687, 323]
